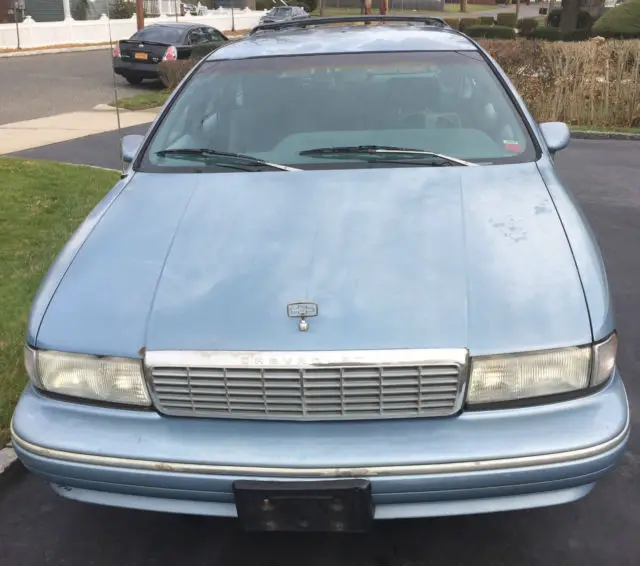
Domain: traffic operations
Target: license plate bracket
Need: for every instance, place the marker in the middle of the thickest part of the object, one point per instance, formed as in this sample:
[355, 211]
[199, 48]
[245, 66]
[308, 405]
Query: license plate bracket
[308, 506]
[141, 56]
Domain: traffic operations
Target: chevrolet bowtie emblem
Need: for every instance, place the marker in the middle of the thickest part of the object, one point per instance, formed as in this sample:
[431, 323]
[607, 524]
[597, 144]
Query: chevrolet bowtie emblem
[302, 310]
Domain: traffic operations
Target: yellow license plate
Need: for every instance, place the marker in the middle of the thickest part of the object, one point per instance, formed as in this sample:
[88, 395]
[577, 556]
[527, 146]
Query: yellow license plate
[141, 56]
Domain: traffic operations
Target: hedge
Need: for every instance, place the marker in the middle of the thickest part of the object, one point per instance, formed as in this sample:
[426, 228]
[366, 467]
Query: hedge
[623, 21]
[507, 19]
[577, 35]
[492, 32]
[546, 32]
[527, 25]
[487, 20]
[466, 23]
[453, 22]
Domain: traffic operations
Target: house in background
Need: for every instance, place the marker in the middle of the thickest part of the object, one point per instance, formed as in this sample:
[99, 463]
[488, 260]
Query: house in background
[57, 10]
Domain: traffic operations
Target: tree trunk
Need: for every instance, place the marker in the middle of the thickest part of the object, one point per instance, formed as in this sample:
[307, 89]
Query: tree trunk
[569, 15]
[463, 5]
[140, 14]
[517, 9]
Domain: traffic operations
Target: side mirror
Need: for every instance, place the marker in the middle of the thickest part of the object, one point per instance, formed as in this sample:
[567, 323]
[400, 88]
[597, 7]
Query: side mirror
[556, 135]
[130, 146]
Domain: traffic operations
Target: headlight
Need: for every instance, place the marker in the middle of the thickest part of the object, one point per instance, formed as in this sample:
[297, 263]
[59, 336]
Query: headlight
[112, 380]
[515, 377]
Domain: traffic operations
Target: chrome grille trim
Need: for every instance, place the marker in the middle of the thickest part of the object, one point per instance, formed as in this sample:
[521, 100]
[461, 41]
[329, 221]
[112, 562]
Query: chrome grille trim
[319, 385]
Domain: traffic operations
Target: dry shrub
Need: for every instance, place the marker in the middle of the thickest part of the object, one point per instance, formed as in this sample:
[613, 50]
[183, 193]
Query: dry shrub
[588, 83]
[172, 72]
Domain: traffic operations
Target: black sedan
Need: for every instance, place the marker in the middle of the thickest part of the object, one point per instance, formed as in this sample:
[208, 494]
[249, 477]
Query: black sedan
[139, 57]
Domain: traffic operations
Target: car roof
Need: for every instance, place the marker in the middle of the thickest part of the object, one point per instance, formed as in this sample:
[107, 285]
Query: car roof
[178, 25]
[333, 39]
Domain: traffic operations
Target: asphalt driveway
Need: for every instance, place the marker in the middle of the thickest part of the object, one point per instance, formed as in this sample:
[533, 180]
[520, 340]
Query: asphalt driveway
[37, 527]
[36, 86]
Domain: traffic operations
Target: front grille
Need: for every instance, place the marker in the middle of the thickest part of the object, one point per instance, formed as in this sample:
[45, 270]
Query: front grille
[309, 393]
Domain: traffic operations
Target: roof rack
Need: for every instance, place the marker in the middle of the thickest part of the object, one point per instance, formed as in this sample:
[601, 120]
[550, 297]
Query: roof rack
[314, 21]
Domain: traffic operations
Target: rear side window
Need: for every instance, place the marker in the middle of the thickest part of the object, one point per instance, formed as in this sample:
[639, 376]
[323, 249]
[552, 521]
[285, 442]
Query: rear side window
[212, 34]
[160, 34]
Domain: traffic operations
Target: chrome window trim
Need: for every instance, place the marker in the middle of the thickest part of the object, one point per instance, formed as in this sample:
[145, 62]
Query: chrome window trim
[307, 359]
[328, 472]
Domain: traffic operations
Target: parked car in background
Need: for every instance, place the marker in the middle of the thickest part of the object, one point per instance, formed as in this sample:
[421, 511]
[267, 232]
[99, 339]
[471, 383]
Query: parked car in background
[139, 57]
[339, 280]
[283, 14]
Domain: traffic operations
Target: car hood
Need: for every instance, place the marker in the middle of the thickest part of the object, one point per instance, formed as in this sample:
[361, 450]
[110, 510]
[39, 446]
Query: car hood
[471, 257]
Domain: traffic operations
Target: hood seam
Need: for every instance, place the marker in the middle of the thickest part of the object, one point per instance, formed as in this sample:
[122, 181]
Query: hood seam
[573, 255]
[164, 265]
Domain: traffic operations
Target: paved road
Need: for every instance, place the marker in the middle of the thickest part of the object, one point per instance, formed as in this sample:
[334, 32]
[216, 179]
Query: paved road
[38, 528]
[43, 85]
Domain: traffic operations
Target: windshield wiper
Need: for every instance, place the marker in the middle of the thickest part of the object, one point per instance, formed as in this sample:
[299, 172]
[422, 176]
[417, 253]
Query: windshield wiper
[381, 153]
[205, 152]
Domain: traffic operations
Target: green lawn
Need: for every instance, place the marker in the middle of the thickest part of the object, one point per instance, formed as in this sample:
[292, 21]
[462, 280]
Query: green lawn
[143, 101]
[41, 204]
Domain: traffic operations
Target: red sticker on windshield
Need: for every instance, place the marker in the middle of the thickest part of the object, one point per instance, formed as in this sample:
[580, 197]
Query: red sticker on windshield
[511, 145]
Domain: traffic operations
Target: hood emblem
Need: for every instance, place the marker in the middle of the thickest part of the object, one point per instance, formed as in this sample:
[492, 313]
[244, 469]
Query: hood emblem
[302, 310]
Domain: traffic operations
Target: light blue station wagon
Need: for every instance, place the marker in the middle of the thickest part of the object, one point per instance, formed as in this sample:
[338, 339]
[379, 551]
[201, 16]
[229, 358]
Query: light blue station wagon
[340, 281]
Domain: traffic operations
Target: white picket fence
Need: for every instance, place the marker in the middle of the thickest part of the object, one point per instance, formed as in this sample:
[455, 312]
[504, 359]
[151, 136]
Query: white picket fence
[72, 32]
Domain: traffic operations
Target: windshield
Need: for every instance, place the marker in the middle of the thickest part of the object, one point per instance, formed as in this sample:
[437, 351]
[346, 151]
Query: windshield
[161, 34]
[278, 108]
[281, 11]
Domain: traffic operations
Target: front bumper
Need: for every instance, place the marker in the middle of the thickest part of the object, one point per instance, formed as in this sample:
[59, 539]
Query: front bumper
[476, 462]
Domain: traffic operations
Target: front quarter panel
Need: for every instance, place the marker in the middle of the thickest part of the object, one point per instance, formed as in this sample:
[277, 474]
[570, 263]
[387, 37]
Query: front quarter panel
[585, 251]
[64, 259]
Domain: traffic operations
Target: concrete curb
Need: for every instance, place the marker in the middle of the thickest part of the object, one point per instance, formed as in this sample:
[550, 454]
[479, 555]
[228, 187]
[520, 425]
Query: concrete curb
[26, 52]
[10, 467]
[109, 108]
[587, 135]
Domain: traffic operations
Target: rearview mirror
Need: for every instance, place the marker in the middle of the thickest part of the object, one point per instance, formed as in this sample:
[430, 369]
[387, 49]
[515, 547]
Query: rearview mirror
[130, 146]
[556, 135]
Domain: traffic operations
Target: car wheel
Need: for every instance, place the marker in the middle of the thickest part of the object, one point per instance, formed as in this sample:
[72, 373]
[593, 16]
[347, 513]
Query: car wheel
[133, 79]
